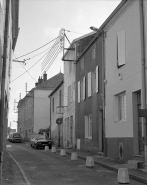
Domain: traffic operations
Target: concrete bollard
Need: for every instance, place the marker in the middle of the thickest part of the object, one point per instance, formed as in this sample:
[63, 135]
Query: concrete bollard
[62, 152]
[123, 176]
[74, 156]
[46, 148]
[53, 150]
[89, 161]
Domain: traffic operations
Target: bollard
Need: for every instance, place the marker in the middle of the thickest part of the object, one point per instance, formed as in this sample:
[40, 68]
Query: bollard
[46, 148]
[53, 150]
[123, 176]
[62, 152]
[89, 161]
[74, 156]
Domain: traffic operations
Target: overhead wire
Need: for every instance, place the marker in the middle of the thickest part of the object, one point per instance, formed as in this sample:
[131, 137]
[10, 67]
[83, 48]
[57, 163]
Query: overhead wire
[29, 68]
[37, 49]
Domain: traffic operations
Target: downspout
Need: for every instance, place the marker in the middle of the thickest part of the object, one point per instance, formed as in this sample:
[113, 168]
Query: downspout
[103, 90]
[50, 118]
[2, 101]
[143, 69]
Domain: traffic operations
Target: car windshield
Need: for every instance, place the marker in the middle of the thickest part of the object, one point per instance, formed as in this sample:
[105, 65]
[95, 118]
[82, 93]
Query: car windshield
[40, 137]
[16, 135]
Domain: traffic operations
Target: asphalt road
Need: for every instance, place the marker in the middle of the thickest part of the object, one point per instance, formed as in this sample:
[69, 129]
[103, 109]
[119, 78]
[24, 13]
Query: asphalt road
[45, 168]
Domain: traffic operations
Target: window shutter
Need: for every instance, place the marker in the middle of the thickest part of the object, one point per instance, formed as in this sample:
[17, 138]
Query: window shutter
[115, 108]
[97, 79]
[121, 47]
[78, 91]
[84, 88]
[86, 126]
[89, 84]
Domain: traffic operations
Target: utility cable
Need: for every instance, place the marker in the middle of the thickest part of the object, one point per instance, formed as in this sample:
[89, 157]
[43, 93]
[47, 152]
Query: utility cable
[29, 68]
[37, 48]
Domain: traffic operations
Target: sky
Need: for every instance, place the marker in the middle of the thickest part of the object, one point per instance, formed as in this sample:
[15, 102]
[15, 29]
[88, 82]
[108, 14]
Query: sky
[40, 22]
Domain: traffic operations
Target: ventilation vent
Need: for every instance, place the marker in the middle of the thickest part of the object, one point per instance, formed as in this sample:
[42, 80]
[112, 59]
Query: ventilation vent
[121, 151]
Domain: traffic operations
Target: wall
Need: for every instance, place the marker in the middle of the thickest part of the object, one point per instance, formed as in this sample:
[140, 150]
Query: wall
[41, 109]
[91, 105]
[54, 116]
[131, 77]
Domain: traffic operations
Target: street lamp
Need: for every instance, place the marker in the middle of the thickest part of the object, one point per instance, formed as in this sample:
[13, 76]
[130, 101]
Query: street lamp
[14, 60]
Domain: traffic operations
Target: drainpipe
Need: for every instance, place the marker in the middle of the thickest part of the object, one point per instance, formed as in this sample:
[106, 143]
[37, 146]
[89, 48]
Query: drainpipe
[50, 117]
[143, 68]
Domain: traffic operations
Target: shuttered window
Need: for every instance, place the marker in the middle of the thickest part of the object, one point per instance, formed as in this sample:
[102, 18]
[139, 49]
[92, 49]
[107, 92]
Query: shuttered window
[89, 84]
[78, 91]
[121, 48]
[97, 79]
[88, 127]
[84, 90]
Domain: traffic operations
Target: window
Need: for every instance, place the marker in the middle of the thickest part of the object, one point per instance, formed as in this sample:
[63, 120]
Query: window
[78, 91]
[69, 94]
[97, 79]
[60, 98]
[121, 48]
[88, 127]
[53, 104]
[120, 107]
[89, 84]
[84, 89]
[93, 52]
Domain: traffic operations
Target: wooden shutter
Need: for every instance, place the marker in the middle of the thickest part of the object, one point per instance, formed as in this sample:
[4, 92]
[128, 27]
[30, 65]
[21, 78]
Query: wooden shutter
[89, 84]
[121, 48]
[78, 91]
[86, 126]
[84, 88]
[97, 79]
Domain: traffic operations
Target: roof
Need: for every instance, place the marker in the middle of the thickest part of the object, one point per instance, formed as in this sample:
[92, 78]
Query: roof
[55, 89]
[80, 46]
[51, 83]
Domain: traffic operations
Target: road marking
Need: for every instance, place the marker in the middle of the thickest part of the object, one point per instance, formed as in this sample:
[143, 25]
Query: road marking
[21, 170]
[8, 146]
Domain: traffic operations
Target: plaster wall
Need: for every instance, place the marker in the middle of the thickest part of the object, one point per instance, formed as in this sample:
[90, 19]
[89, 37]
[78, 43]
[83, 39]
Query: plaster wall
[131, 71]
[41, 109]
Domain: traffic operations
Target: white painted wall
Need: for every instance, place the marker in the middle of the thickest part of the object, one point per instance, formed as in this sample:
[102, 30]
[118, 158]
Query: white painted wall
[131, 72]
[41, 109]
[69, 78]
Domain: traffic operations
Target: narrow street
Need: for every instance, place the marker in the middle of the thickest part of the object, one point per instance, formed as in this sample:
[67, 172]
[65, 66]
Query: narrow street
[43, 168]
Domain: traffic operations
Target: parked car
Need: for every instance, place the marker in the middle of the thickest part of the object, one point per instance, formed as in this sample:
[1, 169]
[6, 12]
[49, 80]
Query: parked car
[15, 137]
[40, 141]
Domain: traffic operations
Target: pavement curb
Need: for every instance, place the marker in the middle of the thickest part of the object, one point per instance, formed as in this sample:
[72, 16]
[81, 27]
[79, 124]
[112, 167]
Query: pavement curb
[21, 170]
[132, 176]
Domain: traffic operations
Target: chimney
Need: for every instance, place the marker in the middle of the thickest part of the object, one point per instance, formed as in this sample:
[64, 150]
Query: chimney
[36, 84]
[39, 80]
[44, 76]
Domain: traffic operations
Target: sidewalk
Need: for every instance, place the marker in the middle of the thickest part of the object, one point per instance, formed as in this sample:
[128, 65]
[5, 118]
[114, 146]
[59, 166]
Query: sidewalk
[11, 173]
[139, 175]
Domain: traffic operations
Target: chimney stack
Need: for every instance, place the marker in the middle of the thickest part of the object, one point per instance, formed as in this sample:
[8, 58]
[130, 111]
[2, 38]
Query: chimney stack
[44, 76]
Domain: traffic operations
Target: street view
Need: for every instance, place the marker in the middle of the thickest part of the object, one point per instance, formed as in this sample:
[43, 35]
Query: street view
[73, 92]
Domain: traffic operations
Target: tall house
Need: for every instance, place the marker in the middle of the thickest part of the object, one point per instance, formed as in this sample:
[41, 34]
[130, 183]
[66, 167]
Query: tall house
[89, 110]
[34, 108]
[9, 13]
[56, 115]
[125, 57]
[73, 52]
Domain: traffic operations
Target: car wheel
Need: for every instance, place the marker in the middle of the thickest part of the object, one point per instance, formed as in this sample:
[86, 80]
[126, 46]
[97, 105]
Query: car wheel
[35, 147]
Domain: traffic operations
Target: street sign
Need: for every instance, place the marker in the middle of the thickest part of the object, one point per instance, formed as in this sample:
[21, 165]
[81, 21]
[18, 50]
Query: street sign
[59, 121]
[142, 112]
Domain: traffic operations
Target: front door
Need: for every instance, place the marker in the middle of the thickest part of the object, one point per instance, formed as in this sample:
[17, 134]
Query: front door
[140, 137]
